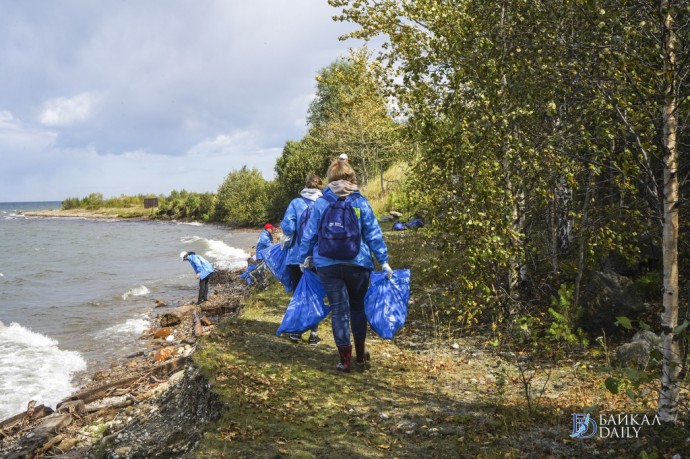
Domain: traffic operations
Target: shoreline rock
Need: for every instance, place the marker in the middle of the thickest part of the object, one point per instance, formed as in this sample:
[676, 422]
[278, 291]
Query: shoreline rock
[150, 405]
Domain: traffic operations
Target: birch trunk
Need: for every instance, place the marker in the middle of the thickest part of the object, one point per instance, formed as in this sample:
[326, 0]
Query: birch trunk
[670, 385]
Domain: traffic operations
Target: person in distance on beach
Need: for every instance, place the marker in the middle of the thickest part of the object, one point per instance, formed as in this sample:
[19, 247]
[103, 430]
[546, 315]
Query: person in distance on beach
[345, 280]
[203, 270]
[296, 216]
[265, 241]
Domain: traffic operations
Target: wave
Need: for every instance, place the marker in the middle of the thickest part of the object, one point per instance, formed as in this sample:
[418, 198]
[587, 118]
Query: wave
[221, 254]
[137, 291]
[131, 326]
[33, 367]
[226, 257]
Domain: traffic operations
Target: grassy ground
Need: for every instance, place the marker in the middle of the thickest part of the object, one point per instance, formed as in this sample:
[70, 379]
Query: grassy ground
[428, 393]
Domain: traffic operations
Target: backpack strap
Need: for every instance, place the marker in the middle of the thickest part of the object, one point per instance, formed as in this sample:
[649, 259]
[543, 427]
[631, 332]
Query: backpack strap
[309, 203]
[330, 197]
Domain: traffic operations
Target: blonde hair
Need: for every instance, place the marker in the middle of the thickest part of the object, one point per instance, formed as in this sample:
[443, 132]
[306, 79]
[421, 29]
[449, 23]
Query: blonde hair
[341, 170]
[313, 181]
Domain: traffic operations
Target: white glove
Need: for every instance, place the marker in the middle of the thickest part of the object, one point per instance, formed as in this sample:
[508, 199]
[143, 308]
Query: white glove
[284, 240]
[308, 263]
[387, 269]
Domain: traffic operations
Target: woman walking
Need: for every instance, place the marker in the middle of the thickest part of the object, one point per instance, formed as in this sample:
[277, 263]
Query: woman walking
[344, 261]
[294, 220]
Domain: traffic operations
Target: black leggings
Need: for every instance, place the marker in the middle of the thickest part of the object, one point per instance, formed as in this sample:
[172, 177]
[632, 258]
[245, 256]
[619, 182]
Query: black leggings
[295, 275]
[203, 289]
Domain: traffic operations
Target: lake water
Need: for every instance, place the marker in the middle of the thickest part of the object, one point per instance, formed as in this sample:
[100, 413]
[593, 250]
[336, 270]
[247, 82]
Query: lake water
[75, 294]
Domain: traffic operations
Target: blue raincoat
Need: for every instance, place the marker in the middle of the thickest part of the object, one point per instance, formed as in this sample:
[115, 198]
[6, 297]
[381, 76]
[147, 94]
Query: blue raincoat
[265, 241]
[291, 221]
[202, 267]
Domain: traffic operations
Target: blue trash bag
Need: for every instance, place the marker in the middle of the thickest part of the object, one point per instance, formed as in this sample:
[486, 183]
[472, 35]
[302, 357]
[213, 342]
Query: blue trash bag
[399, 226]
[385, 303]
[306, 308]
[416, 223]
[276, 260]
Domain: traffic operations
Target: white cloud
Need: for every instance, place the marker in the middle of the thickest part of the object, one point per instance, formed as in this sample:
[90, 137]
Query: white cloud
[145, 97]
[19, 139]
[224, 144]
[64, 111]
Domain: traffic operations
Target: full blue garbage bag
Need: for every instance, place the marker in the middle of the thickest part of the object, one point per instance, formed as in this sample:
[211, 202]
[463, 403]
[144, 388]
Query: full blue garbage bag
[306, 308]
[399, 226]
[385, 303]
[276, 260]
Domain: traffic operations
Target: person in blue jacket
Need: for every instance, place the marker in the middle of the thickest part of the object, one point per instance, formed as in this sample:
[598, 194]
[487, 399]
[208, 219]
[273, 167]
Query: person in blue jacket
[203, 270]
[291, 229]
[247, 275]
[346, 281]
[265, 241]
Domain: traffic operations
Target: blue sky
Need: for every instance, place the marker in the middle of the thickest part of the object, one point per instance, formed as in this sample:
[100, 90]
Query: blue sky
[147, 96]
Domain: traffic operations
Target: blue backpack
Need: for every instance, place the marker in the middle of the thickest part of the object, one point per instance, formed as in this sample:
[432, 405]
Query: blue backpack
[339, 233]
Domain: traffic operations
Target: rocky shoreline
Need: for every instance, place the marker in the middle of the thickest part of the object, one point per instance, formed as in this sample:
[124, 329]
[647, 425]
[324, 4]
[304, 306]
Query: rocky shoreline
[154, 404]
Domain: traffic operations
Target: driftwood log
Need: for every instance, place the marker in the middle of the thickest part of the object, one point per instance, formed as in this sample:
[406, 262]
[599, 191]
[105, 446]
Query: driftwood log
[42, 435]
[15, 423]
[198, 329]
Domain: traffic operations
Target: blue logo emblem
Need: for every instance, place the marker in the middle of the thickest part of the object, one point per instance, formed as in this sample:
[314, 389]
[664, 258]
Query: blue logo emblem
[583, 426]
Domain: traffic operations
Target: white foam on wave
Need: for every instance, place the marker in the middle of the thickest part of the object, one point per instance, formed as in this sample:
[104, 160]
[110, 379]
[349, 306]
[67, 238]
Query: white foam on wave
[33, 367]
[190, 239]
[137, 291]
[190, 223]
[135, 326]
[225, 256]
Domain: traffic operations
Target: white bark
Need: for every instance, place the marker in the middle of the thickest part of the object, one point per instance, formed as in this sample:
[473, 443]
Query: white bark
[670, 384]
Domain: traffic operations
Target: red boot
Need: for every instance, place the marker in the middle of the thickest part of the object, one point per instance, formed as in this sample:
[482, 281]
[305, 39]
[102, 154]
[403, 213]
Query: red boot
[345, 356]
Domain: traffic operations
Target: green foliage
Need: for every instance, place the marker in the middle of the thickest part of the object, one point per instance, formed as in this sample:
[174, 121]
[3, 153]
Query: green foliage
[70, 203]
[242, 199]
[350, 115]
[537, 153]
[298, 160]
[564, 316]
[93, 201]
[185, 205]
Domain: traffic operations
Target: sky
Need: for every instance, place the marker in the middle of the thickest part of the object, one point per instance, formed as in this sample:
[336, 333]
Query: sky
[149, 96]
